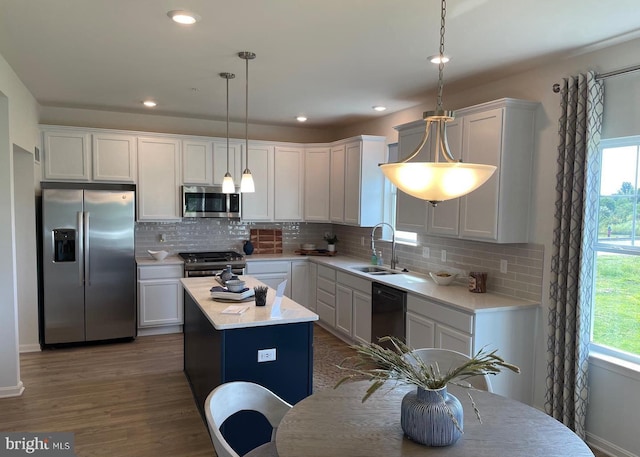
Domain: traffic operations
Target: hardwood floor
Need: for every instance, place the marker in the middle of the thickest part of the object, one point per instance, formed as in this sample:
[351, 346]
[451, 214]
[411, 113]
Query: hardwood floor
[129, 399]
[126, 399]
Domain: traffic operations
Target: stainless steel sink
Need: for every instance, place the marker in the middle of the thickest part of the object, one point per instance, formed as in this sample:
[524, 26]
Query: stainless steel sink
[375, 270]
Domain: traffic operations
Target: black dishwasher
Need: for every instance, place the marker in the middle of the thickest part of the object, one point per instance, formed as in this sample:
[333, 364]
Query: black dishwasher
[388, 309]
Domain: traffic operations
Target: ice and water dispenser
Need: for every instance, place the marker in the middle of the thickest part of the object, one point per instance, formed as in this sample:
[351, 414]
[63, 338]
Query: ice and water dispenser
[64, 245]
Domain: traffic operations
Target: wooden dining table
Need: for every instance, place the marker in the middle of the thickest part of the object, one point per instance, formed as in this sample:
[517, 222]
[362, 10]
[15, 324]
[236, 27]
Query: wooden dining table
[335, 422]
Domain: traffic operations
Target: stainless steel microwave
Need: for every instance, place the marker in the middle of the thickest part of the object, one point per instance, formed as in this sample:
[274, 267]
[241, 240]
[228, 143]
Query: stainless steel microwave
[209, 201]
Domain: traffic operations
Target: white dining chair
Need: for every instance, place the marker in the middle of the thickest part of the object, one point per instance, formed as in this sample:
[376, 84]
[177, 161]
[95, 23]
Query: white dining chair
[446, 359]
[232, 397]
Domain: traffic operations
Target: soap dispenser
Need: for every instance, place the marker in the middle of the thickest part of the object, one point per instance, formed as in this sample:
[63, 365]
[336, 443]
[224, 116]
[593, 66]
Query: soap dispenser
[374, 258]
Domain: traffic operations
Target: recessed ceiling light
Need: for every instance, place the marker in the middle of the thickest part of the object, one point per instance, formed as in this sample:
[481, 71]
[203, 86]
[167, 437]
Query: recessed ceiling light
[438, 58]
[301, 119]
[183, 17]
[379, 108]
[149, 103]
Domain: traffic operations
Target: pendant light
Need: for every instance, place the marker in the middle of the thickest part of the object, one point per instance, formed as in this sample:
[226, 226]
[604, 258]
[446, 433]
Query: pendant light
[227, 183]
[437, 181]
[247, 184]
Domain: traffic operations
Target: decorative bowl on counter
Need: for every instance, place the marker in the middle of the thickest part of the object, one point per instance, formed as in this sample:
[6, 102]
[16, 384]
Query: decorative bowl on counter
[158, 255]
[235, 285]
[308, 247]
[443, 278]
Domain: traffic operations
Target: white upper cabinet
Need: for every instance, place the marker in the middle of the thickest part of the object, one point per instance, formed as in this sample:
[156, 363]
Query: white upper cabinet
[67, 155]
[114, 157]
[289, 184]
[158, 178]
[197, 163]
[258, 206]
[499, 133]
[79, 155]
[317, 166]
[336, 183]
[220, 161]
[364, 182]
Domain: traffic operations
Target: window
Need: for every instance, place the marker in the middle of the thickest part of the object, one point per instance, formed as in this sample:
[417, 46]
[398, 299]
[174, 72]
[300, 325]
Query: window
[616, 304]
[390, 199]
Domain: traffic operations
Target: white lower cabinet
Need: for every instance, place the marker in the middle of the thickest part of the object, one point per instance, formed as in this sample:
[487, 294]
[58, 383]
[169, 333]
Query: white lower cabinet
[353, 307]
[272, 273]
[344, 309]
[362, 316]
[509, 330]
[160, 298]
[313, 286]
[326, 295]
[300, 282]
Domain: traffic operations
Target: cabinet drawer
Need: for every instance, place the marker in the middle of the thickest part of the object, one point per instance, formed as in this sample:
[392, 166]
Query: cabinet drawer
[326, 272]
[159, 272]
[354, 282]
[268, 267]
[327, 285]
[326, 313]
[326, 298]
[440, 313]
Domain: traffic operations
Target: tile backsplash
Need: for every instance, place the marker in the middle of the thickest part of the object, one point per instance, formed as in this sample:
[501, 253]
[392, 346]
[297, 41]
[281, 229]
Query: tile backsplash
[190, 235]
[523, 278]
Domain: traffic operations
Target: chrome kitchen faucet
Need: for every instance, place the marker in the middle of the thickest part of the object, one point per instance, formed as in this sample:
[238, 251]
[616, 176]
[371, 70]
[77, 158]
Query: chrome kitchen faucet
[393, 242]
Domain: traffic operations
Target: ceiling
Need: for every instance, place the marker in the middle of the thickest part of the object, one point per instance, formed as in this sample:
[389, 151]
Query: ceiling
[331, 60]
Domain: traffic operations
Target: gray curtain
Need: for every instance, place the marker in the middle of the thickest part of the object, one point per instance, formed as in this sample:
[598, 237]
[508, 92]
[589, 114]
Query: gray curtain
[572, 254]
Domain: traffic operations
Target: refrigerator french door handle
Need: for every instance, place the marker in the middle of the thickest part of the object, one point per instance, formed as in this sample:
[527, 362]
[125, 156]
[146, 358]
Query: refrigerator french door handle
[87, 251]
[80, 241]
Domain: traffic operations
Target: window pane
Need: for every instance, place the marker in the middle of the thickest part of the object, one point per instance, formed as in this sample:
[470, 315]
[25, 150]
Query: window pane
[406, 237]
[618, 196]
[616, 317]
[619, 166]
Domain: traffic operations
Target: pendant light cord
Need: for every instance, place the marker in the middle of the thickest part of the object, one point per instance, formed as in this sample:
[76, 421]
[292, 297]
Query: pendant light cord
[227, 125]
[246, 111]
[441, 64]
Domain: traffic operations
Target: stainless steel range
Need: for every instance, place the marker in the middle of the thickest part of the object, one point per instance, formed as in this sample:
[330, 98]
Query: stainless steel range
[212, 263]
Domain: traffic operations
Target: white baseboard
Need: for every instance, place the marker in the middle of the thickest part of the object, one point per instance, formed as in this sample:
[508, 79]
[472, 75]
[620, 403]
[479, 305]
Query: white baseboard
[164, 330]
[607, 447]
[30, 348]
[13, 391]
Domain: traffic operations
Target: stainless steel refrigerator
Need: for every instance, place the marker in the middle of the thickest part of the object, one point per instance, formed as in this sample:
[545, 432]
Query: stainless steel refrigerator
[88, 263]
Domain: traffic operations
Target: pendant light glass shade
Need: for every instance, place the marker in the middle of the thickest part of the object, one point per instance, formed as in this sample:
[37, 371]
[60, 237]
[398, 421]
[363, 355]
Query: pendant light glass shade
[437, 181]
[246, 184]
[227, 184]
[228, 187]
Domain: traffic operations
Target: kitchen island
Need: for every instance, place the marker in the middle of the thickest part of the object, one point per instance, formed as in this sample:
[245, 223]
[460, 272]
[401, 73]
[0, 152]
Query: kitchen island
[220, 348]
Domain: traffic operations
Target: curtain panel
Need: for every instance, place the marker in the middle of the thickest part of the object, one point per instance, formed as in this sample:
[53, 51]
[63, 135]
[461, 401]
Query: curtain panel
[569, 324]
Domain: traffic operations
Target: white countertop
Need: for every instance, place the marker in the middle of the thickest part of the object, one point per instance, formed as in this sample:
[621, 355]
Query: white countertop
[255, 316]
[454, 295]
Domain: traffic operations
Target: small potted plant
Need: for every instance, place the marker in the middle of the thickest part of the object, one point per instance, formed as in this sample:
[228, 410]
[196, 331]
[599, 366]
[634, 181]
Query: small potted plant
[331, 240]
[431, 402]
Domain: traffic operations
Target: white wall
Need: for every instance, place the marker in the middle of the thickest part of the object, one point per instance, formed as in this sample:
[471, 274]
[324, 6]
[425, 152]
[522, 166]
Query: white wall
[18, 125]
[26, 255]
[605, 422]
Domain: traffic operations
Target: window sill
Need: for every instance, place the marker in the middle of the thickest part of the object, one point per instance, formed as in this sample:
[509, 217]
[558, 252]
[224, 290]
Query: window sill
[614, 364]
